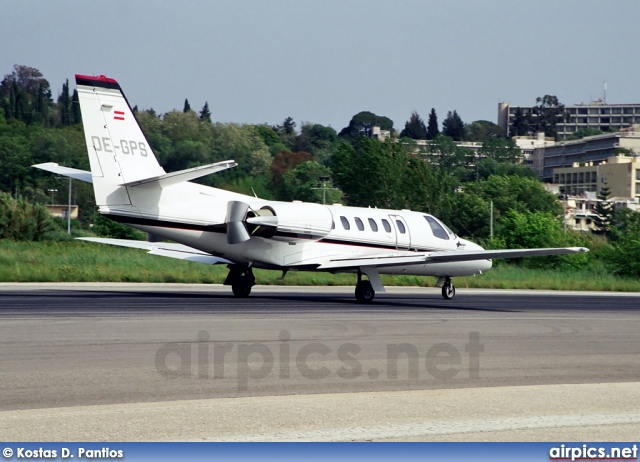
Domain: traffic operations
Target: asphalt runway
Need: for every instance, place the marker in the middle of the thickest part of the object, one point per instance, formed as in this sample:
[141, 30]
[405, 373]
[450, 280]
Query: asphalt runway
[119, 345]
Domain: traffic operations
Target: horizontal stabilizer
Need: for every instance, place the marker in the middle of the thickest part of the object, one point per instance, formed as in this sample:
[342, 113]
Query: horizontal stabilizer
[381, 261]
[163, 249]
[74, 173]
[172, 178]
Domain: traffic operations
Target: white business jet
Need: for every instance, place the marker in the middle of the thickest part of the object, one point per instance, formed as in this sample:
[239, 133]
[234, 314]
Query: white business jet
[214, 226]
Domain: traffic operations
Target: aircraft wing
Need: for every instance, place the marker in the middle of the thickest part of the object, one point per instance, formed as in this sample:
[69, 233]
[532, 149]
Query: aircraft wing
[74, 173]
[418, 258]
[163, 249]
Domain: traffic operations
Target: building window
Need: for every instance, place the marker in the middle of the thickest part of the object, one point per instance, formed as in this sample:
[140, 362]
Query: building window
[401, 227]
[386, 225]
[605, 120]
[593, 120]
[594, 177]
[359, 224]
[373, 224]
[581, 177]
[593, 111]
[345, 223]
[638, 174]
[605, 110]
[627, 110]
[637, 188]
[582, 110]
[627, 120]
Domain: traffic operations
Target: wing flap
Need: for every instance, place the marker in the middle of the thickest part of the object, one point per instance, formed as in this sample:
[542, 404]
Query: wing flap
[382, 261]
[163, 249]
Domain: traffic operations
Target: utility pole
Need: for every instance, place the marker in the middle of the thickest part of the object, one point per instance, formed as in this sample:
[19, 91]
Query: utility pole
[69, 210]
[491, 224]
[324, 188]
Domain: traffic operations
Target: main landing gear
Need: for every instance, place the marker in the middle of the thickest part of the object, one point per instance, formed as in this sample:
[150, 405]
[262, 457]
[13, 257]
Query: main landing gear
[364, 290]
[448, 290]
[241, 280]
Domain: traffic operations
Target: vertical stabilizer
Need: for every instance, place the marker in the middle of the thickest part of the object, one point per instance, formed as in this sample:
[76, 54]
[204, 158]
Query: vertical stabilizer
[118, 150]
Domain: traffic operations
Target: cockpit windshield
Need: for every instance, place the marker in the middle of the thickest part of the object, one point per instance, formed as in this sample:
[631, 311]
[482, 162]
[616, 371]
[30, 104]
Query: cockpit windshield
[439, 229]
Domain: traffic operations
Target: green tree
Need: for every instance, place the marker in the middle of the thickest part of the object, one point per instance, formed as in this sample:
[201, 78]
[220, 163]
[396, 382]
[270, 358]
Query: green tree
[317, 139]
[521, 125]
[548, 112]
[371, 172]
[285, 161]
[519, 194]
[187, 106]
[205, 113]
[432, 125]
[522, 230]
[604, 212]
[583, 132]
[362, 124]
[23, 221]
[453, 126]
[444, 152]
[482, 130]
[501, 150]
[105, 227]
[414, 128]
[303, 183]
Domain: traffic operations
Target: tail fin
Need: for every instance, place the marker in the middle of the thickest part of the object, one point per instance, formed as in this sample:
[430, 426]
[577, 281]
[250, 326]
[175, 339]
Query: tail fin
[118, 150]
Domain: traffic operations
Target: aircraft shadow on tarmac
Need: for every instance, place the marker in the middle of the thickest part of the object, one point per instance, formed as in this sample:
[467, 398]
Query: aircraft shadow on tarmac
[316, 301]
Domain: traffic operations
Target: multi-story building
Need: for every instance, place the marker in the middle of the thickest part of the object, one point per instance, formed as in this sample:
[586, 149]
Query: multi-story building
[588, 151]
[597, 115]
[621, 174]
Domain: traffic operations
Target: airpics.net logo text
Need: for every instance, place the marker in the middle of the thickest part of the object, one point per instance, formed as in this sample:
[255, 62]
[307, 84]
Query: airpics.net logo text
[285, 357]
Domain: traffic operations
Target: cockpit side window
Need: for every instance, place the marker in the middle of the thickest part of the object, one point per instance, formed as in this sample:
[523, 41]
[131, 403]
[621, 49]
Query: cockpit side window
[436, 228]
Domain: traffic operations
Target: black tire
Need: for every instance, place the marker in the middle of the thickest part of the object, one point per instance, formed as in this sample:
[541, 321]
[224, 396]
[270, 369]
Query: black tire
[241, 289]
[364, 292]
[448, 290]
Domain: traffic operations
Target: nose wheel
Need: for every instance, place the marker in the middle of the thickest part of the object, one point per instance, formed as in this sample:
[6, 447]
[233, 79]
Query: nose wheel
[448, 290]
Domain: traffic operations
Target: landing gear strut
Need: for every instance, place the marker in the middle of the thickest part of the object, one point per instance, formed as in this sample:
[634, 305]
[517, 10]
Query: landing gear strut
[448, 290]
[241, 280]
[364, 290]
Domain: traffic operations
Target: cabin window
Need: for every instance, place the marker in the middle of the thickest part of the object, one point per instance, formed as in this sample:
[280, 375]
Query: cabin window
[345, 223]
[359, 224]
[374, 225]
[387, 225]
[401, 227]
[436, 228]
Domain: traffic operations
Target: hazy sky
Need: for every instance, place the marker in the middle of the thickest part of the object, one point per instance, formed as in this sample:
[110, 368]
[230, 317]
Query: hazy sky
[323, 61]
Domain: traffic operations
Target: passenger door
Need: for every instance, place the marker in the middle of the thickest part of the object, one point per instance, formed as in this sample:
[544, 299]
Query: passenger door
[403, 237]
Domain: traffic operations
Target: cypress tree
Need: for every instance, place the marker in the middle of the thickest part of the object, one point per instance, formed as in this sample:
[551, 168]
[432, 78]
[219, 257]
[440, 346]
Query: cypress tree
[432, 125]
[187, 107]
[205, 114]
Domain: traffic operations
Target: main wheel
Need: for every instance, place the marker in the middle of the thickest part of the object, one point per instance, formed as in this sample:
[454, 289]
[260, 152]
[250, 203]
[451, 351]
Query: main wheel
[448, 291]
[364, 292]
[241, 289]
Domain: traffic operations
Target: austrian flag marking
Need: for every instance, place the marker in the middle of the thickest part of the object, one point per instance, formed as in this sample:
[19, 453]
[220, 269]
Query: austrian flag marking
[118, 115]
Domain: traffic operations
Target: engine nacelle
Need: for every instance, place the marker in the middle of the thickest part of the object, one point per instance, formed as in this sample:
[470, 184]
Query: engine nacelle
[289, 221]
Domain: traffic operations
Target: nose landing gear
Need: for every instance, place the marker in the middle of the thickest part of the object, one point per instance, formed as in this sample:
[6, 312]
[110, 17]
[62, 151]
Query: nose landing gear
[448, 289]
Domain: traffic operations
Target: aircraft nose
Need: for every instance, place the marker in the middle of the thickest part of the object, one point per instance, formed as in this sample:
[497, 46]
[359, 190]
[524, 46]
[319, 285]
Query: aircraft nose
[468, 245]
